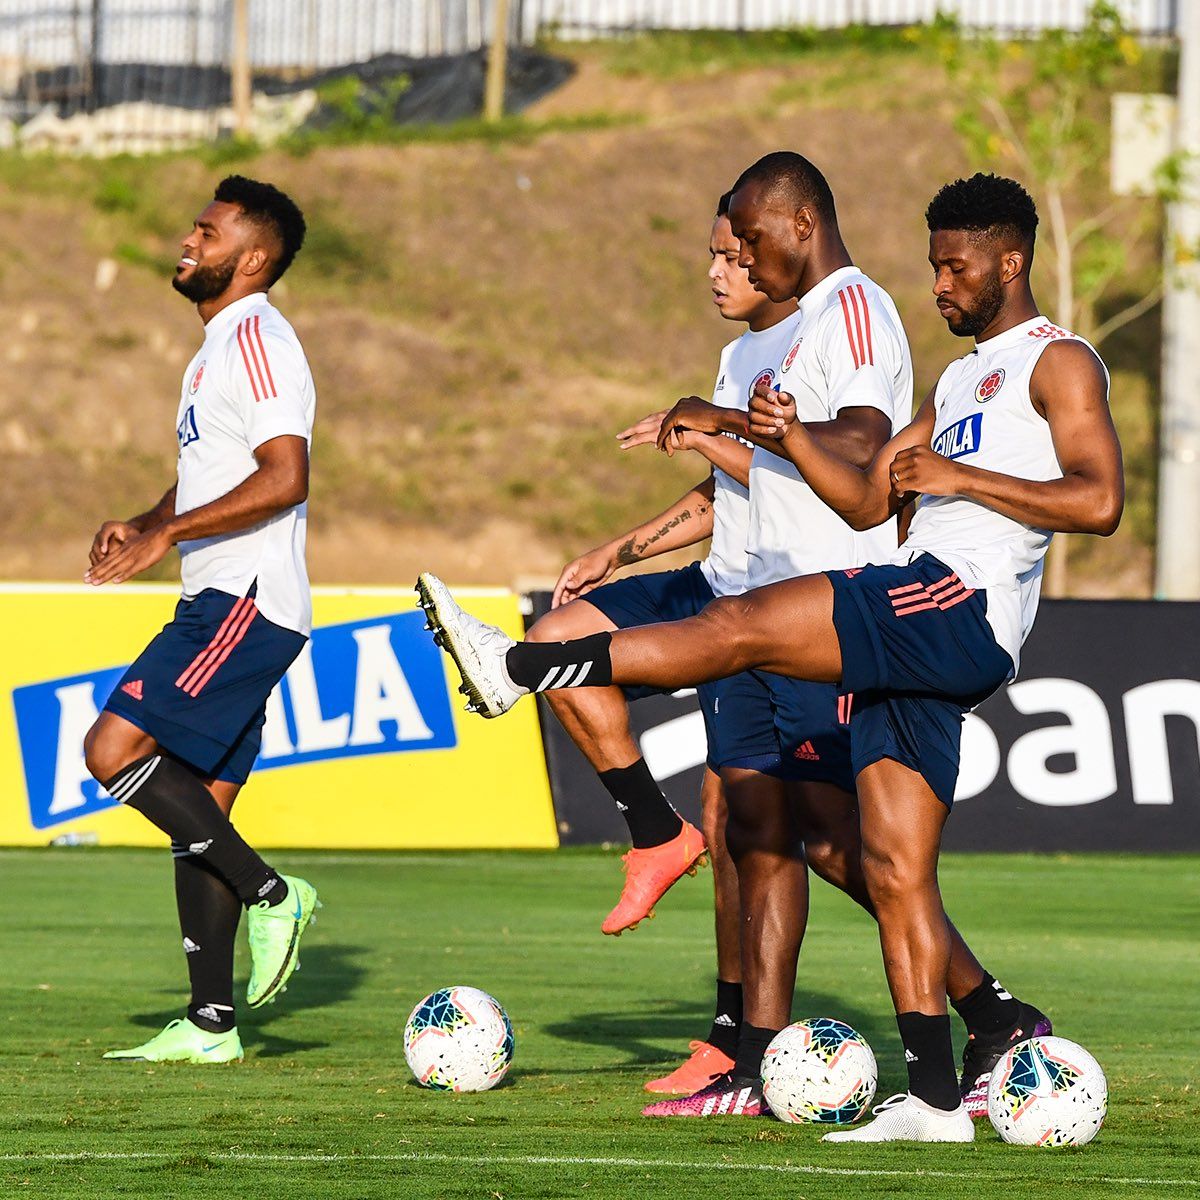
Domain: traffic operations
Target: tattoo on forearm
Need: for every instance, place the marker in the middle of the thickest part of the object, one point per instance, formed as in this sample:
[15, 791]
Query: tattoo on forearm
[631, 550]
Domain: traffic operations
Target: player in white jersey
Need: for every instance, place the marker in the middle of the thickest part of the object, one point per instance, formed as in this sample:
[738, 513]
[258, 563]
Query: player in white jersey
[849, 369]
[916, 641]
[585, 602]
[179, 735]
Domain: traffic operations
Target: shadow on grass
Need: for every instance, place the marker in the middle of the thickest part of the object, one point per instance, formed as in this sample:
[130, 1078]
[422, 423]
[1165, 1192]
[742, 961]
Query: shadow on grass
[639, 1035]
[331, 974]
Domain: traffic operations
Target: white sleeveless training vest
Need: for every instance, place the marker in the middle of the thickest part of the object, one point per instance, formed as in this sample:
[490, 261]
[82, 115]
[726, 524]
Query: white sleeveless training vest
[985, 418]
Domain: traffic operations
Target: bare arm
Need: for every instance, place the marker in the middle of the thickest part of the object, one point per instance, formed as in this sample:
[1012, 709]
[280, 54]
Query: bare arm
[279, 483]
[863, 496]
[687, 521]
[1069, 388]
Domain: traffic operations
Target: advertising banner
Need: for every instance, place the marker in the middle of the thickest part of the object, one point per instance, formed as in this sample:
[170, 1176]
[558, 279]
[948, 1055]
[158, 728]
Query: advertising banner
[364, 745]
[1096, 746]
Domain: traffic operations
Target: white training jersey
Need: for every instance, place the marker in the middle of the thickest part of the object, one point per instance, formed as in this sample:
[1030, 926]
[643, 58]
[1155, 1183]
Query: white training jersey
[755, 355]
[985, 417]
[247, 384]
[848, 349]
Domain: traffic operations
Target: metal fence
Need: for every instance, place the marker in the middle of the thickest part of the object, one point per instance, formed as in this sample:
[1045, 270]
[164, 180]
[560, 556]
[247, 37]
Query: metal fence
[104, 75]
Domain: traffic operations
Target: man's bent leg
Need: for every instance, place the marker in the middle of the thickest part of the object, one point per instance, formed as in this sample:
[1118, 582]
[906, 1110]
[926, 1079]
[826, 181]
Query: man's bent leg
[597, 721]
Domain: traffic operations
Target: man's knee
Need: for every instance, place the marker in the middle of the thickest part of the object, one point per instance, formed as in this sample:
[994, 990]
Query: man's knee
[575, 620]
[111, 744]
[760, 818]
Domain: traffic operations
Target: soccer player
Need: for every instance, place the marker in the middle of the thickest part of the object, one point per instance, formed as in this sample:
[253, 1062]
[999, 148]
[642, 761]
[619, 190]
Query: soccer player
[663, 845]
[179, 734]
[1014, 443]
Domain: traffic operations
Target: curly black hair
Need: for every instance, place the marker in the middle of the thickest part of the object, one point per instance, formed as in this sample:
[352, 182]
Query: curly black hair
[791, 175]
[987, 204]
[266, 206]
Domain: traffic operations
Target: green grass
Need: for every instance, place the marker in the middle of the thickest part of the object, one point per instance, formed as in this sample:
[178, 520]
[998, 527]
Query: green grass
[323, 1105]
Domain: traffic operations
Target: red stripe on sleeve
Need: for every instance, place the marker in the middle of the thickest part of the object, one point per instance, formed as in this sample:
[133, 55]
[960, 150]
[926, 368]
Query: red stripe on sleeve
[866, 320]
[262, 349]
[849, 329]
[862, 349]
[249, 369]
[254, 355]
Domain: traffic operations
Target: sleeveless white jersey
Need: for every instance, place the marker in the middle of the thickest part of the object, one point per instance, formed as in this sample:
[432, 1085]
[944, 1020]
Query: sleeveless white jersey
[848, 350]
[248, 383]
[755, 355]
[985, 418]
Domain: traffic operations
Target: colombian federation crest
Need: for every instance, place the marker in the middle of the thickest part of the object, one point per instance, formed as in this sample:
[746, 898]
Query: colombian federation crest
[194, 386]
[767, 377]
[989, 385]
[791, 355]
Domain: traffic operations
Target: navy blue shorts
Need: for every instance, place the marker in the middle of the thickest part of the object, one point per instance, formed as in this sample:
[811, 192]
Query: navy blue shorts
[789, 728]
[918, 654]
[674, 596]
[200, 687]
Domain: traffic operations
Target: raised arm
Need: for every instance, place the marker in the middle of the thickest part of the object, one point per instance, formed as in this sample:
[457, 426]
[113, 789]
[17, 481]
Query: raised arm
[863, 496]
[1069, 387]
[688, 520]
[279, 483]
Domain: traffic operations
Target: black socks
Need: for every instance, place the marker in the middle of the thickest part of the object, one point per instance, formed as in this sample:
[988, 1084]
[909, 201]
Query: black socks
[752, 1045]
[209, 912]
[540, 666]
[930, 1058]
[989, 1009]
[647, 812]
[173, 798]
[727, 1021]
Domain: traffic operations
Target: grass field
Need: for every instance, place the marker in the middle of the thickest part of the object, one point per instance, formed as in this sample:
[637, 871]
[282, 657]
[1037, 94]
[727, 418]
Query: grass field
[323, 1105]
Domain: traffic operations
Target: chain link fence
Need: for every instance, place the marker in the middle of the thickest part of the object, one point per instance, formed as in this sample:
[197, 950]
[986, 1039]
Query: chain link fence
[101, 76]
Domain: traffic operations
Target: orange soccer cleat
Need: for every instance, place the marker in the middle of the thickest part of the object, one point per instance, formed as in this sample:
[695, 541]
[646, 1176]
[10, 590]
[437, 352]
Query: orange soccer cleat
[705, 1065]
[650, 872]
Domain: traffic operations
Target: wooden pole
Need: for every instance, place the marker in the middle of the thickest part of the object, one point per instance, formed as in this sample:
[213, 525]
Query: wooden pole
[239, 70]
[497, 63]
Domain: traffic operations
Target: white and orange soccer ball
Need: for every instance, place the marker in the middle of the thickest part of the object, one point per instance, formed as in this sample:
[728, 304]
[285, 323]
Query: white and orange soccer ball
[819, 1070]
[1047, 1092]
[458, 1039]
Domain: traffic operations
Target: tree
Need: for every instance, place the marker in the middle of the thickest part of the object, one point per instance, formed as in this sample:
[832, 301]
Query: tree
[1039, 109]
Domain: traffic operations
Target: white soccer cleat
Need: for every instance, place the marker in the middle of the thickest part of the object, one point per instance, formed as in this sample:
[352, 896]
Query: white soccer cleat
[904, 1118]
[478, 649]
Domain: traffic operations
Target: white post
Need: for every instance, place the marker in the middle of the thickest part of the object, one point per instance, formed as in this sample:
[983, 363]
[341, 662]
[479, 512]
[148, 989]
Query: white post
[497, 63]
[1178, 567]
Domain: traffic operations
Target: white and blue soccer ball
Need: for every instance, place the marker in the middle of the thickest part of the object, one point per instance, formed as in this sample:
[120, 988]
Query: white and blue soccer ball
[819, 1070]
[458, 1039]
[1047, 1091]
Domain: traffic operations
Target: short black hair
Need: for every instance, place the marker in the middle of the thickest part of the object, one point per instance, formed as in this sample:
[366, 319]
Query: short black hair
[986, 204]
[794, 178]
[723, 205]
[267, 207]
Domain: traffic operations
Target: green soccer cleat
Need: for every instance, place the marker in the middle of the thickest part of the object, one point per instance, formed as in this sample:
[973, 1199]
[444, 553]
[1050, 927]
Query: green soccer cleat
[182, 1041]
[275, 932]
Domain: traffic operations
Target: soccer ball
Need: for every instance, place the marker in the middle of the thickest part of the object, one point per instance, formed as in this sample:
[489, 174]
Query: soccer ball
[458, 1039]
[819, 1070]
[1047, 1092]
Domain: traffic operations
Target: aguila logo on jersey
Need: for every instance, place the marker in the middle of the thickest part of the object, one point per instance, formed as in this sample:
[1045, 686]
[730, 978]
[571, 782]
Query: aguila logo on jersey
[194, 386]
[791, 355]
[960, 438]
[767, 377]
[989, 385]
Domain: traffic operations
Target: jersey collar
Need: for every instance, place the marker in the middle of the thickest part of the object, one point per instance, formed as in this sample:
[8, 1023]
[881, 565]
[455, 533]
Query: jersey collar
[231, 314]
[814, 299]
[1010, 337]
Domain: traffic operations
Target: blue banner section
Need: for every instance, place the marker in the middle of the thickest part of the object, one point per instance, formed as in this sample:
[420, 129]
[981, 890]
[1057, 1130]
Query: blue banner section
[960, 438]
[367, 687]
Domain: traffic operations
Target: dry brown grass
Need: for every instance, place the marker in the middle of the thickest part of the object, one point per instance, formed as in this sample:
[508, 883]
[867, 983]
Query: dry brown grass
[481, 318]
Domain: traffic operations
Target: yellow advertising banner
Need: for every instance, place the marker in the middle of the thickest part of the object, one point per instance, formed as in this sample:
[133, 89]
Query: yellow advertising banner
[366, 743]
